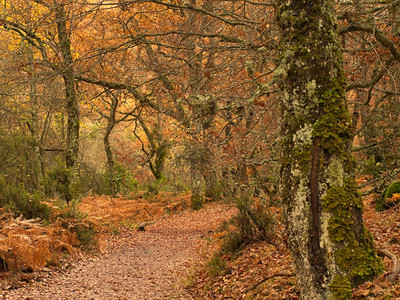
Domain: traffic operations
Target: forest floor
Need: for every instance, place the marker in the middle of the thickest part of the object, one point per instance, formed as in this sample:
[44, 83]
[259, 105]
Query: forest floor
[178, 256]
[132, 264]
[265, 271]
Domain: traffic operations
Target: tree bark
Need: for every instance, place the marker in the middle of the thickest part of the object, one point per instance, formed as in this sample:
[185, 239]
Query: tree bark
[158, 147]
[72, 153]
[196, 128]
[212, 191]
[196, 182]
[37, 166]
[331, 248]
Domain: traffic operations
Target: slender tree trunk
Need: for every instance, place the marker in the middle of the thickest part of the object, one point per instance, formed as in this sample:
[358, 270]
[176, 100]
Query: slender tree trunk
[212, 191]
[331, 248]
[37, 165]
[158, 148]
[196, 180]
[196, 129]
[72, 153]
[111, 121]
[242, 179]
[110, 165]
[110, 162]
[370, 132]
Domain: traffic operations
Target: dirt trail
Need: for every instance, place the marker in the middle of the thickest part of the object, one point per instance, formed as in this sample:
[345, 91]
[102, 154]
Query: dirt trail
[134, 265]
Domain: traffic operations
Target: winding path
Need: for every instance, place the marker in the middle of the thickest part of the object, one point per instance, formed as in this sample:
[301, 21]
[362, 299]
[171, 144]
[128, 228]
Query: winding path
[134, 265]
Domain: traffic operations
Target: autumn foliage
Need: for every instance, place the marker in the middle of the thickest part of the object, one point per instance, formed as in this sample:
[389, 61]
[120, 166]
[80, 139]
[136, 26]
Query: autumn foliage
[114, 113]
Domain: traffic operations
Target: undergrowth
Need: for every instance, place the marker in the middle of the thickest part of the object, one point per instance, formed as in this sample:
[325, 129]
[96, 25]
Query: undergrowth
[18, 200]
[73, 219]
[253, 223]
[216, 266]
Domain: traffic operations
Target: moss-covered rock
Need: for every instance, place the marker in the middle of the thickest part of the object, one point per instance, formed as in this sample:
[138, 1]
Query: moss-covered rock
[381, 203]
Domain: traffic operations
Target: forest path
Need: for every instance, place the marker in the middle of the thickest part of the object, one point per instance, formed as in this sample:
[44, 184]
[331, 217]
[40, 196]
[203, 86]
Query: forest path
[135, 265]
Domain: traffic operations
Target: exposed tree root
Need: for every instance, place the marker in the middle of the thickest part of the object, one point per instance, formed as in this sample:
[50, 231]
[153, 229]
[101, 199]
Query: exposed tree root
[257, 224]
[268, 278]
[396, 265]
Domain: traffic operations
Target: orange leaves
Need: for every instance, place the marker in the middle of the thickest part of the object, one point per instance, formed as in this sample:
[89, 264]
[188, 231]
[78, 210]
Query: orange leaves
[109, 212]
[395, 197]
[29, 244]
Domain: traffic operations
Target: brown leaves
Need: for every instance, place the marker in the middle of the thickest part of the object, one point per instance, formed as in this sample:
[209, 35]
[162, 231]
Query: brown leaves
[260, 271]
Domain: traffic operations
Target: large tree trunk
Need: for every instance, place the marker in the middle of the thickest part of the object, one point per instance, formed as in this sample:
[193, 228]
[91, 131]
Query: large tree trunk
[332, 249]
[72, 153]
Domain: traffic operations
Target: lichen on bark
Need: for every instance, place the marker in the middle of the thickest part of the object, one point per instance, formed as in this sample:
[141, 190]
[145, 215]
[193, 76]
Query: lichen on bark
[323, 210]
[72, 152]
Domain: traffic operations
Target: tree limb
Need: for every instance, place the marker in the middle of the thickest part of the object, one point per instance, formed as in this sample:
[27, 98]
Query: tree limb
[379, 36]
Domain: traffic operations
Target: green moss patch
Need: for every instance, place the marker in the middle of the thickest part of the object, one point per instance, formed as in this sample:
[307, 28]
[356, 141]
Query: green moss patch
[355, 254]
[341, 288]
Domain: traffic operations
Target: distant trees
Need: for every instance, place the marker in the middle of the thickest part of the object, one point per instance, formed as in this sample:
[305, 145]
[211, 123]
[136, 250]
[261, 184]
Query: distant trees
[371, 61]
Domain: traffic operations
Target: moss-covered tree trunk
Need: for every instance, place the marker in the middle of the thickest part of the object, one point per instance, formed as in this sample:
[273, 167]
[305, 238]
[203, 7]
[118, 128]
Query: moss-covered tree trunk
[72, 153]
[331, 248]
[196, 179]
[195, 85]
[37, 159]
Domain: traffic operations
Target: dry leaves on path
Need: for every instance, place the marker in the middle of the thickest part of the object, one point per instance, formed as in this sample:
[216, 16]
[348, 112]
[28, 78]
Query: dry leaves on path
[134, 265]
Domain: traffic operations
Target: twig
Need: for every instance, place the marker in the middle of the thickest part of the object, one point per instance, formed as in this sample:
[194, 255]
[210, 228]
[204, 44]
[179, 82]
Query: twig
[396, 265]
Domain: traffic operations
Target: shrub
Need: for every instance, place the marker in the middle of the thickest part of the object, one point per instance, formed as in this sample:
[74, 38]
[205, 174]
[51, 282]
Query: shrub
[95, 181]
[125, 181]
[56, 181]
[252, 223]
[216, 266]
[19, 201]
[86, 235]
[18, 159]
[75, 221]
